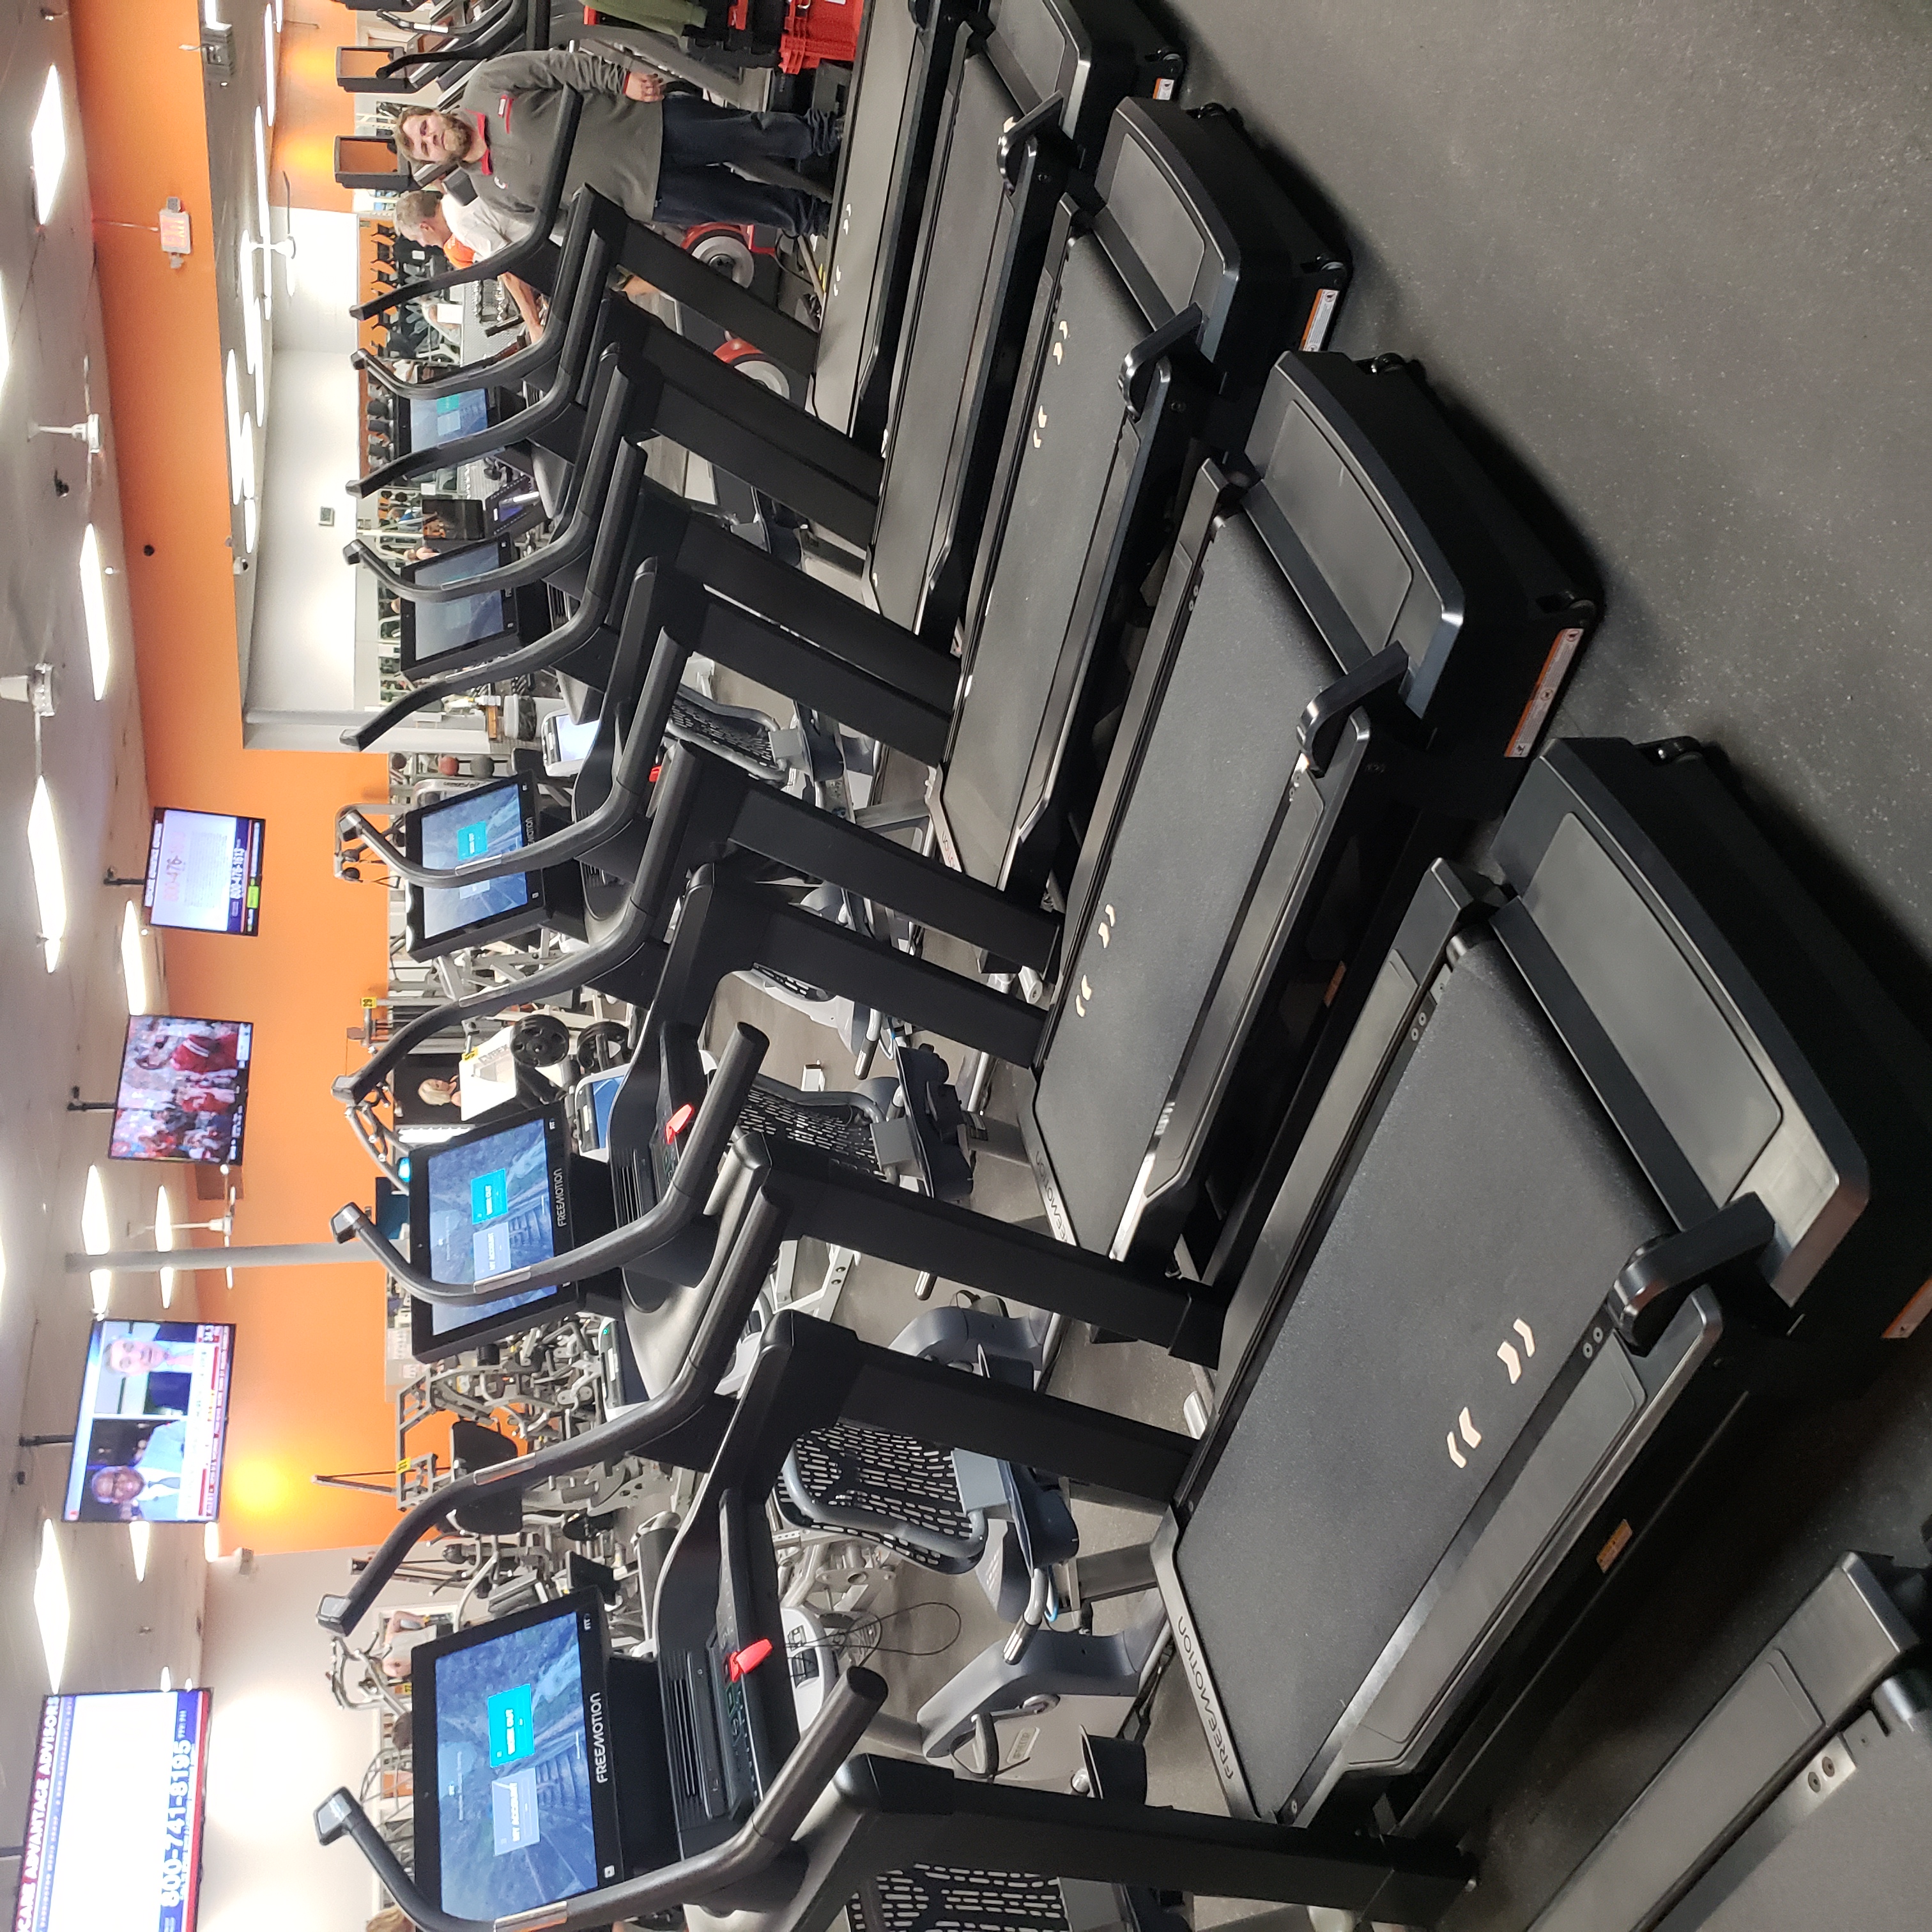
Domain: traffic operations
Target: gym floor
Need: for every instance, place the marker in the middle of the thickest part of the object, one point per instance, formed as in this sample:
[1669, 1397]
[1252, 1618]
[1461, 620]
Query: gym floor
[1668, 264]
[1670, 261]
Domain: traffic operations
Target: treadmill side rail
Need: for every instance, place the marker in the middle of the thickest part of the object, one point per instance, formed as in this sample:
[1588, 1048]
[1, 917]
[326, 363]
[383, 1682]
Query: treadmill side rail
[1846, 1635]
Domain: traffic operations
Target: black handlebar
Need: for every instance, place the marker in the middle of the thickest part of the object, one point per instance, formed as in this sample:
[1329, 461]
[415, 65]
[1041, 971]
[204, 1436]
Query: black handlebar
[706, 1140]
[829, 1739]
[627, 481]
[737, 1273]
[506, 260]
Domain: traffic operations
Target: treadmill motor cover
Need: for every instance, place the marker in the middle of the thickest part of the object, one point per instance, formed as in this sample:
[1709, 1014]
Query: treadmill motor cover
[1386, 1404]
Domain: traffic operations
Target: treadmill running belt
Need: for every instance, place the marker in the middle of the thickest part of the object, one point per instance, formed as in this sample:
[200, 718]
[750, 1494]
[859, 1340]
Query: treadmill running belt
[878, 106]
[1070, 435]
[1493, 1190]
[936, 378]
[1210, 789]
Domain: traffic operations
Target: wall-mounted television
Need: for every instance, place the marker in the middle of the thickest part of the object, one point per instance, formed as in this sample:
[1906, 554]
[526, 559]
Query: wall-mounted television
[114, 1814]
[184, 1089]
[204, 871]
[153, 1422]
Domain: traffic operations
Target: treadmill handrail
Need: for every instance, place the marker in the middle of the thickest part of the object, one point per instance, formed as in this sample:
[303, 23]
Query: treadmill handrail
[503, 371]
[567, 547]
[680, 1204]
[849, 1707]
[549, 198]
[631, 770]
[736, 1274]
[643, 907]
[540, 653]
[586, 311]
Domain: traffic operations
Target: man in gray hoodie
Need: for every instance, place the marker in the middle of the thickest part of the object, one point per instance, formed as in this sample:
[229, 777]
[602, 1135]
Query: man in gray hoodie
[664, 159]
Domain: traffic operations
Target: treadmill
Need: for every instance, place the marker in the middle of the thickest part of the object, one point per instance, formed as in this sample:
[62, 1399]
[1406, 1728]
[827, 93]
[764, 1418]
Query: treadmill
[1802, 1799]
[1626, 1150]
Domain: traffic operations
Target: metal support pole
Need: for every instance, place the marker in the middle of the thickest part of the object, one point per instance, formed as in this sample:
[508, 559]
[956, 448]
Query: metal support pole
[152, 1261]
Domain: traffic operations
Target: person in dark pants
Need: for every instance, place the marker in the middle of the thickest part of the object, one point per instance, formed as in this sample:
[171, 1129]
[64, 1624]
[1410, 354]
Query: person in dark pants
[661, 159]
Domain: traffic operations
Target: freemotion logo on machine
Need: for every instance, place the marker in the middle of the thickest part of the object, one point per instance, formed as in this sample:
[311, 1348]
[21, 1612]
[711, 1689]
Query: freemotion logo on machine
[600, 1756]
[558, 1204]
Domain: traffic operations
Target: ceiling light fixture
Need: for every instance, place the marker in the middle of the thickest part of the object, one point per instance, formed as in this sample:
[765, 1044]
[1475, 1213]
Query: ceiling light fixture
[49, 884]
[164, 1240]
[231, 388]
[133, 959]
[211, 1543]
[96, 1237]
[269, 25]
[48, 145]
[50, 1605]
[167, 1678]
[261, 205]
[94, 607]
[251, 310]
[138, 1539]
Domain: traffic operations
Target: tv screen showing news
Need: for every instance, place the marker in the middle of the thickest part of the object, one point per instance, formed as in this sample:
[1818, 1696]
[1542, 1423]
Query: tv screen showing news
[475, 824]
[204, 871]
[154, 1417]
[521, 1808]
[114, 1814]
[183, 1091]
[436, 627]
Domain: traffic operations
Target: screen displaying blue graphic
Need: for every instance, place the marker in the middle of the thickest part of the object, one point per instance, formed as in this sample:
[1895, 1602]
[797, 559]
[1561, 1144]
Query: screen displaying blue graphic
[439, 418]
[514, 1828]
[479, 824]
[489, 1209]
[441, 627]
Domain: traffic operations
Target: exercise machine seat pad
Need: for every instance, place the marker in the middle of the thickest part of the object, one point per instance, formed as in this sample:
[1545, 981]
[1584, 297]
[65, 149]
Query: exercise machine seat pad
[1212, 782]
[1068, 443]
[1493, 1190]
[935, 381]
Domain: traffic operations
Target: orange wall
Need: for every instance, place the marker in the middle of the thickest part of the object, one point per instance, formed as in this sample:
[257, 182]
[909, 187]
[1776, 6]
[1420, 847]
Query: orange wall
[311, 110]
[309, 1394]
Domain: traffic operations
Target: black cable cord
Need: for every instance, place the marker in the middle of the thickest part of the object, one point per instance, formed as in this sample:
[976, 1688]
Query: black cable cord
[859, 1641]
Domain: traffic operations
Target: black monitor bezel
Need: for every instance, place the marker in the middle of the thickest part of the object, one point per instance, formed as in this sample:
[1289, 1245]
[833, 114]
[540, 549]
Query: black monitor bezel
[244, 1067]
[258, 841]
[459, 656]
[557, 1162]
[593, 1652]
[533, 912]
[83, 1422]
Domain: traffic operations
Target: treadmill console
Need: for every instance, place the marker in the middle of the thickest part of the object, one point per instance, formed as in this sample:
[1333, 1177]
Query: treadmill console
[728, 1714]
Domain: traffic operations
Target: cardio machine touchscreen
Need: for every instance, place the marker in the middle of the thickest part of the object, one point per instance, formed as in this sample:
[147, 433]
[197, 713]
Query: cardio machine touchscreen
[489, 1210]
[442, 627]
[514, 1823]
[478, 825]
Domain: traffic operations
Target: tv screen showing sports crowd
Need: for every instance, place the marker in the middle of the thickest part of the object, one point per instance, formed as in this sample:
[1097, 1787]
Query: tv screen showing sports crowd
[204, 871]
[114, 1814]
[183, 1091]
[153, 1415]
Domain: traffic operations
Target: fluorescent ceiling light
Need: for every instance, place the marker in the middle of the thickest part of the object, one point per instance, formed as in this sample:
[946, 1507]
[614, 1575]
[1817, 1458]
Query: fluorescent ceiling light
[138, 1539]
[210, 14]
[211, 1543]
[96, 1237]
[94, 606]
[248, 459]
[269, 25]
[231, 388]
[167, 1682]
[133, 959]
[50, 1608]
[164, 1240]
[251, 312]
[50, 886]
[49, 147]
[261, 205]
